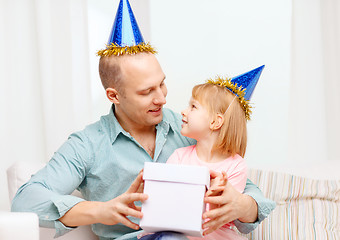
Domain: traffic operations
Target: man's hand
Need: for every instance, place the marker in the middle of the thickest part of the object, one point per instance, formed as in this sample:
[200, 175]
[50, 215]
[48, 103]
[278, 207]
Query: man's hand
[227, 205]
[111, 212]
[116, 210]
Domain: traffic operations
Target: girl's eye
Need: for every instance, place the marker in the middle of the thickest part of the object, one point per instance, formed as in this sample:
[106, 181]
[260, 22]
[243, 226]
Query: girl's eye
[193, 106]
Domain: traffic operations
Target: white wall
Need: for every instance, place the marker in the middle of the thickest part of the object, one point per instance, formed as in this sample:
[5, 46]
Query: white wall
[44, 83]
[19, 118]
[198, 39]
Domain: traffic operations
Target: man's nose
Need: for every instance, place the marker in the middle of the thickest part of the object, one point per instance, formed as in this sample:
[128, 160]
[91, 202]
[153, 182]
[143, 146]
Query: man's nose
[160, 98]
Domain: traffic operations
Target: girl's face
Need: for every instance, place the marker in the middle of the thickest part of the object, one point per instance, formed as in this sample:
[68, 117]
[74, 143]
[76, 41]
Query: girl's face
[196, 121]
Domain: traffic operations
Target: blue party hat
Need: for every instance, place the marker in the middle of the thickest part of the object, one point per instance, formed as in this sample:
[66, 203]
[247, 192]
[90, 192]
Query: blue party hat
[242, 86]
[125, 37]
[248, 81]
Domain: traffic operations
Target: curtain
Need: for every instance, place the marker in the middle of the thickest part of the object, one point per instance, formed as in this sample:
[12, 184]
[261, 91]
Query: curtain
[44, 78]
[315, 82]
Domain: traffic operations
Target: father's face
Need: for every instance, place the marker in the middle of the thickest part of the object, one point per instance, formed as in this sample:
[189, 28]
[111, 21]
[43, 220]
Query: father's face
[144, 89]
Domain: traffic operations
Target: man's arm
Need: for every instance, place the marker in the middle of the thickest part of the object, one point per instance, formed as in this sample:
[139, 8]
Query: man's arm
[47, 193]
[250, 208]
[264, 207]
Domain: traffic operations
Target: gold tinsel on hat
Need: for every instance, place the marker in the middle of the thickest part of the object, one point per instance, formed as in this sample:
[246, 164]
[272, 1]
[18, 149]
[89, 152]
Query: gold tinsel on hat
[238, 91]
[116, 50]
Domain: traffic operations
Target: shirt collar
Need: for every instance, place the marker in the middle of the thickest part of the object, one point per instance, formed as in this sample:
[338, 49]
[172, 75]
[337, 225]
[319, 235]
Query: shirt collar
[115, 128]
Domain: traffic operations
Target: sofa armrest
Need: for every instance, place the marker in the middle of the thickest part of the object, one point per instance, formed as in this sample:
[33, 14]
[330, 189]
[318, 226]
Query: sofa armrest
[18, 226]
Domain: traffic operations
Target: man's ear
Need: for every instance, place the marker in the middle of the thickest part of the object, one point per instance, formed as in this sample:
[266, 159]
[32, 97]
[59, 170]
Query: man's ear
[217, 122]
[113, 95]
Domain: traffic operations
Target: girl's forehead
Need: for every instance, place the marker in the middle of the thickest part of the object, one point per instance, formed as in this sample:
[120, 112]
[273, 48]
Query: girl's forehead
[194, 101]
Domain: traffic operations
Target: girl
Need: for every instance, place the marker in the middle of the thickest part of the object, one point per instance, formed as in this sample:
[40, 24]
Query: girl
[216, 119]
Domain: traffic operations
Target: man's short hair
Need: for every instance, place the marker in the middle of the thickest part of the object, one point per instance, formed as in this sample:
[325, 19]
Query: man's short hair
[110, 72]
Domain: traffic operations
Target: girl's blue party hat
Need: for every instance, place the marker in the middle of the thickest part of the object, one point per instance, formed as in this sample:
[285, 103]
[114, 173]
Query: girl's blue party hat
[242, 86]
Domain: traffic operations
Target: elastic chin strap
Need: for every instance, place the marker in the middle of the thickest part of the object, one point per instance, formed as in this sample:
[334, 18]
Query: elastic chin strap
[229, 105]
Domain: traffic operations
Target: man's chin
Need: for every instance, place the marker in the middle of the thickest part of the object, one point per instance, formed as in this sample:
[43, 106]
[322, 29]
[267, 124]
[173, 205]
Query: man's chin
[156, 119]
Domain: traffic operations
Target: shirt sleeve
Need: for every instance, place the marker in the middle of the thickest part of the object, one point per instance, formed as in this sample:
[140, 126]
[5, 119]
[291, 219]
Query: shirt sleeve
[264, 208]
[48, 191]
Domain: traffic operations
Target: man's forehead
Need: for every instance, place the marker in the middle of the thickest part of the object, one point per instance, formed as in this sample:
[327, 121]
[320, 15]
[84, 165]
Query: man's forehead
[124, 58]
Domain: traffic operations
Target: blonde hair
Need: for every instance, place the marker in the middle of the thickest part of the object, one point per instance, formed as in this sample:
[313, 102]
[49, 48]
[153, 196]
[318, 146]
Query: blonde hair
[216, 99]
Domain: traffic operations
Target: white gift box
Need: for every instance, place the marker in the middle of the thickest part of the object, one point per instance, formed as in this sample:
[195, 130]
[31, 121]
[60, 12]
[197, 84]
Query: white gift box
[176, 198]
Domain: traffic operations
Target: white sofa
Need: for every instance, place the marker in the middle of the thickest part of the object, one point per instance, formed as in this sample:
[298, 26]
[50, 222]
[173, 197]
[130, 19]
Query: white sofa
[307, 198]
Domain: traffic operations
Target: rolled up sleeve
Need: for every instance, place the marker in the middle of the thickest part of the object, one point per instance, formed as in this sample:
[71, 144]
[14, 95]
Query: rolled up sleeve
[48, 191]
[264, 208]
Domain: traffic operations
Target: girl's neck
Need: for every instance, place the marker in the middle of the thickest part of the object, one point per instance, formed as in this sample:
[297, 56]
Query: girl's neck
[206, 153]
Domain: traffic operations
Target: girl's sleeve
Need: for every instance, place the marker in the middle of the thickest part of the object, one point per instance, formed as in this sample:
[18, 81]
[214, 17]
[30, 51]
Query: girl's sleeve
[238, 176]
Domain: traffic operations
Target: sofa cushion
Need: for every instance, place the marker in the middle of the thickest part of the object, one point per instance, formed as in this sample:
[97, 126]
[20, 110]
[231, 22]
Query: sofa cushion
[306, 208]
[18, 174]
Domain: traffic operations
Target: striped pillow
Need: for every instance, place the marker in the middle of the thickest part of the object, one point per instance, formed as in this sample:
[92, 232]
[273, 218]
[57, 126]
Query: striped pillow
[306, 208]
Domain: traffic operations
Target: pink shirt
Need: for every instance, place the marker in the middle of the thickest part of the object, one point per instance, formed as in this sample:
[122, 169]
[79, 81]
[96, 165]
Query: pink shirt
[236, 170]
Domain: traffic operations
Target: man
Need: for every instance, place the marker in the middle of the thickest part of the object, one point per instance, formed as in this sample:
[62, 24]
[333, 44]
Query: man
[105, 159]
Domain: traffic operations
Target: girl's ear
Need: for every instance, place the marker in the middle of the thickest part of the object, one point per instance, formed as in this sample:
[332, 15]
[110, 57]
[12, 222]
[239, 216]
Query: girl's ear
[217, 122]
[112, 95]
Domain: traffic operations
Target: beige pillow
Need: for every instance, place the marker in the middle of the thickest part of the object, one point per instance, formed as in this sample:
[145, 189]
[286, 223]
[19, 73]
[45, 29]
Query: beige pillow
[306, 208]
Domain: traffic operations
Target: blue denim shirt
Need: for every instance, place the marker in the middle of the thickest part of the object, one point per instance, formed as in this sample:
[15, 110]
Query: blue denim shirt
[101, 161]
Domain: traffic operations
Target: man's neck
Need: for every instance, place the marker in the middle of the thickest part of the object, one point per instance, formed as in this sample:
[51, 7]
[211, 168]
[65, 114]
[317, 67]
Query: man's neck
[144, 135]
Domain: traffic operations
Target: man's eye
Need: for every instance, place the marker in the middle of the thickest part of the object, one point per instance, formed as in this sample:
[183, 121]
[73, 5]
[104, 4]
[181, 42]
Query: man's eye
[146, 92]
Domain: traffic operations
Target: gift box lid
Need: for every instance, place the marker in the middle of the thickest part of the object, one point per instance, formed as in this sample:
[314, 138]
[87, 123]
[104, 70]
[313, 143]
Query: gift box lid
[176, 173]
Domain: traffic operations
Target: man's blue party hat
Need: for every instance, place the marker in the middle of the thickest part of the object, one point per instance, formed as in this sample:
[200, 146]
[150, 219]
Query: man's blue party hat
[242, 86]
[125, 37]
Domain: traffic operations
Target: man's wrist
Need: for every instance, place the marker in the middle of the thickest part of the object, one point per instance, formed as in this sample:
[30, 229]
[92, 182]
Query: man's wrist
[249, 209]
[83, 213]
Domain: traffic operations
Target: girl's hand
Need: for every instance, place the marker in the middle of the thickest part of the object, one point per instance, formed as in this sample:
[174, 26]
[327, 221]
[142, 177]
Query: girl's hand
[218, 181]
